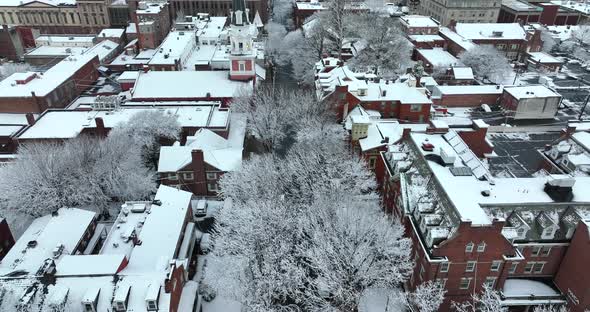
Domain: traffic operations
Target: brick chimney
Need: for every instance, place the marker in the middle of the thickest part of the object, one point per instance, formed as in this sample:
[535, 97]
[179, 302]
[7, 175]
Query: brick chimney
[30, 119]
[100, 129]
[453, 25]
[200, 177]
[476, 138]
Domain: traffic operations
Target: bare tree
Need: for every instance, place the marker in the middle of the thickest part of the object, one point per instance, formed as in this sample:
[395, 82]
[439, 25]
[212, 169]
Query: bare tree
[427, 297]
[487, 63]
[381, 45]
[488, 300]
[551, 308]
[277, 116]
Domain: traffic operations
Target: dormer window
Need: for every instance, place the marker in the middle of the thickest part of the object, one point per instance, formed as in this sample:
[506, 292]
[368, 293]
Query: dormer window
[88, 307]
[521, 232]
[152, 305]
[548, 233]
[362, 92]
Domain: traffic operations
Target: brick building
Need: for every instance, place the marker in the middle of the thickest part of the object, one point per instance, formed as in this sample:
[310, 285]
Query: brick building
[419, 25]
[466, 96]
[33, 92]
[153, 23]
[470, 227]
[11, 46]
[192, 116]
[343, 90]
[466, 11]
[139, 264]
[198, 165]
[516, 11]
[57, 16]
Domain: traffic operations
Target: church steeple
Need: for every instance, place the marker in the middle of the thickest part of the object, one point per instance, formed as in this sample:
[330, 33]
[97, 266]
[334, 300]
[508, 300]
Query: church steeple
[239, 14]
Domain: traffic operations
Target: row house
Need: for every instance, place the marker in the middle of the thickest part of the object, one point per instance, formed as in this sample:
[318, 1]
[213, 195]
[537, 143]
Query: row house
[99, 120]
[34, 92]
[470, 227]
[344, 90]
[198, 165]
[139, 263]
[10, 126]
[57, 16]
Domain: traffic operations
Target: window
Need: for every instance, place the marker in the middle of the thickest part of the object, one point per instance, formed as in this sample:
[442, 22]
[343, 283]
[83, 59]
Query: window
[120, 306]
[188, 176]
[173, 176]
[444, 267]
[415, 108]
[88, 307]
[211, 176]
[490, 281]
[538, 267]
[212, 187]
[152, 305]
[242, 67]
[545, 251]
[481, 247]
[520, 232]
[513, 267]
[442, 281]
[536, 251]
[548, 232]
[372, 161]
[465, 283]
[496, 265]
[529, 267]
[470, 266]
[469, 247]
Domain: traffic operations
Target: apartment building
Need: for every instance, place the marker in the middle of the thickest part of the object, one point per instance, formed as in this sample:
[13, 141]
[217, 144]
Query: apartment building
[521, 233]
[466, 11]
[57, 16]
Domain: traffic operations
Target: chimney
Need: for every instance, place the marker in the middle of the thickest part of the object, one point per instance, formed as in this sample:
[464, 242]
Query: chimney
[100, 129]
[453, 25]
[198, 166]
[30, 119]
[568, 131]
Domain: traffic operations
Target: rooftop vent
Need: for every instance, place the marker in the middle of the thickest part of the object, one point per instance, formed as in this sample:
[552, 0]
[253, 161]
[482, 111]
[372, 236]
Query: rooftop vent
[32, 244]
[560, 189]
[427, 146]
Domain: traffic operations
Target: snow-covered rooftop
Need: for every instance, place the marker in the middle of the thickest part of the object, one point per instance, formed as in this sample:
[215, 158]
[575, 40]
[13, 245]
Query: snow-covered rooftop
[418, 21]
[439, 57]
[456, 38]
[111, 33]
[463, 73]
[577, 6]
[471, 89]
[155, 85]
[46, 82]
[65, 124]
[175, 48]
[90, 265]
[542, 57]
[465, 192]
[487, 31]
[530, 92]
[518, 5]
[426, 38]
[42, 238]
[223, 154]
[527, 288]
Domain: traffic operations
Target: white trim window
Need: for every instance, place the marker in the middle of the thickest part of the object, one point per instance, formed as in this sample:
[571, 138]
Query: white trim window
[513, 267]
[496, 265]
[444, 267]
[481, 247]
[528, 268]
[211, 176]
[538, 267]
[469, 247]
[470, 267]
[465, 282]
[491, 281]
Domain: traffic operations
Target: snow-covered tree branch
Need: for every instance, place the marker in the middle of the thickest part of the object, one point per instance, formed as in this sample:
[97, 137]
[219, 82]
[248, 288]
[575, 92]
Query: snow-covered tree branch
[487, 301]
[487, 63]
[427, 297]
[85, 171]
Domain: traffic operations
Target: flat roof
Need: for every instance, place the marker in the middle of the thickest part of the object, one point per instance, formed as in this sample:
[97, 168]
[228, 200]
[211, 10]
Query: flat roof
[46, 82]
[518, 5]
[531, 92]
[418, 21]
[187, 85]
[65, 124]
[491, 31]
[438, 57]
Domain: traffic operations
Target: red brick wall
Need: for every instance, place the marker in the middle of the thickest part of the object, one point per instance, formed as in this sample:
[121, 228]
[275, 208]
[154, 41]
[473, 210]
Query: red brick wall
[174, 287]
[6, 239]
[573, 277]
[467, 100]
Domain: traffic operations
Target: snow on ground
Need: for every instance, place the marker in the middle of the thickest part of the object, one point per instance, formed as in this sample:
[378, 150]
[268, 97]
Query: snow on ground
[380, 300]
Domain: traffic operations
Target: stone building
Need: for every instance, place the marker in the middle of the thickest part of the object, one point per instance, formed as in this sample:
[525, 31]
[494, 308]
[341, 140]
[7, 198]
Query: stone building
[466, 11]
[57, 17]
